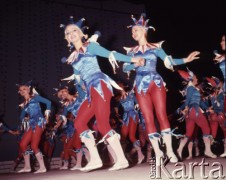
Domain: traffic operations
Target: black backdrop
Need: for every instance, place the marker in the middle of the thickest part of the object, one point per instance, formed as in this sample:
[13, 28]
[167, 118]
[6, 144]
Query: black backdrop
[32, 44]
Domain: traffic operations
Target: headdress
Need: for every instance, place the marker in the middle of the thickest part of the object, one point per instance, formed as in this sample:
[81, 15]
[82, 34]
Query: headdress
[78, 24]
[141, 22]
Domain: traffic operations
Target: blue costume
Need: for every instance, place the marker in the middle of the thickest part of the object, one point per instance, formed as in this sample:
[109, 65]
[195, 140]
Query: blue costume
[33, 110]
[128, 107]
[85, 64]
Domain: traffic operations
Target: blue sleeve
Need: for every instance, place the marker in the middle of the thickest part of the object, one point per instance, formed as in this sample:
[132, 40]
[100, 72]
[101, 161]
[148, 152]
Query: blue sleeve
[162, 55]
[98, 50]
[128, 67]
[43, 100]
[22, 114]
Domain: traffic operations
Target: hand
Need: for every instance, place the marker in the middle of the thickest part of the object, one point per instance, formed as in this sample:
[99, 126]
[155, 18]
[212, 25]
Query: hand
[138, 61]
[192, 56]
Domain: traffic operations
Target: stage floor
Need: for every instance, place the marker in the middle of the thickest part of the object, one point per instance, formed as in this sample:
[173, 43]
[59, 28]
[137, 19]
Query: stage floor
[203, 168]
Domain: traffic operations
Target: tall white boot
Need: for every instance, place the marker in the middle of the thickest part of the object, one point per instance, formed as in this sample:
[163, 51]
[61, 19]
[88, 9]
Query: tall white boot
[78, 165]
[181, 146]
[65, 165]
[196, 148]
[112, 155]
[27, 165]
[207, 143]
[190, 147]
[149, 149]
[114, 142]
[139, 152]
[167, 139]
[224, 153]
[154, 138]
[95, 162]
[42, 168]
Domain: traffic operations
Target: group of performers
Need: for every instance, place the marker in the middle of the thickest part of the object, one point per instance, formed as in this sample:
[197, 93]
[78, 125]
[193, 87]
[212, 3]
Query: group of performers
[141, 105]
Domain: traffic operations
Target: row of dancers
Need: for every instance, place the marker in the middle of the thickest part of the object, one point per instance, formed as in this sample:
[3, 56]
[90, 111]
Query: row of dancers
[93, 98]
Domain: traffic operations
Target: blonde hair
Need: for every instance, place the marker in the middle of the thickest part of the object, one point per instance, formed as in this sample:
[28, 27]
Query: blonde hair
[80, 32]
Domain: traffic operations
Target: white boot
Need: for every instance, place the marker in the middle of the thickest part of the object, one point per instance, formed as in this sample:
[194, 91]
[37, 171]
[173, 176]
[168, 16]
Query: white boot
[208, 151]
[95, 162]
[112, 155]
[190, 147]
[196, 148]
[149, 149]
[224, 153]
[154, 138]
[78, 164]
[65, 165]
[167, 139]
[27, 165]
[139, 152]
[181, 146]
[121, 161]
[42, 168]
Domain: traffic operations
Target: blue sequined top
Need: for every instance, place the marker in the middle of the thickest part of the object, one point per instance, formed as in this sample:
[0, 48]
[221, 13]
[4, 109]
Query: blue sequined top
[85, 64]
[147, 73]
[33, 110]
[128, 107]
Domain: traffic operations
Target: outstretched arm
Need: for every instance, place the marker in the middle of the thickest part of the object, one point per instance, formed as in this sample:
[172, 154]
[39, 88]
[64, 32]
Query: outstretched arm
[170, 62]
[98, 50]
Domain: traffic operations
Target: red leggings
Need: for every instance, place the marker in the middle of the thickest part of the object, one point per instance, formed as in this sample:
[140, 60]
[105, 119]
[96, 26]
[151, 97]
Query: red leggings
[155, 98]
[200, 120]
[130, 129]
[33, 138]
[99, 107]
[215, 121]
[69, 145]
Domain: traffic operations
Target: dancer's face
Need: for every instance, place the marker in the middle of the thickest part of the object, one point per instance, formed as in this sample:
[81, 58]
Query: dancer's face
[73, 33]
[62, 94]
[138, 33]
[223, 43]
[24, 90]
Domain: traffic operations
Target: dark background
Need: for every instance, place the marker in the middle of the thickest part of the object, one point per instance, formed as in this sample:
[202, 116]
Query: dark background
[32, 44]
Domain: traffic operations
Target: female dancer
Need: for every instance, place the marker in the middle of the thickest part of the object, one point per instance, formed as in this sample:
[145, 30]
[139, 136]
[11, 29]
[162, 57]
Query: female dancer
[99, 92]
[130, 119]
[194, 114]
[149, 86]
[36, 120]
[220, 58]
[217, 113]
[71, 104]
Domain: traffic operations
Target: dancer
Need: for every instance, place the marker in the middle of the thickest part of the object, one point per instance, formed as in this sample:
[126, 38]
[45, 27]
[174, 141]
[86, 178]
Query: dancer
[36, 121]
[217, 113]
[99, 91]
[149, 86]
[71, 104]
[220, 58]
[130, 119]
[193, 114]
